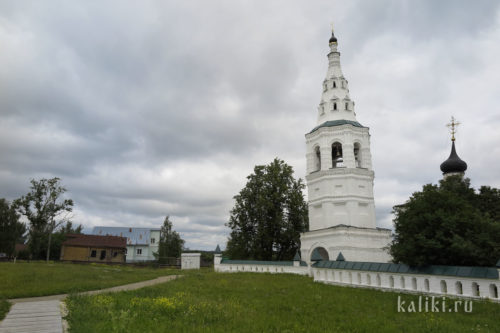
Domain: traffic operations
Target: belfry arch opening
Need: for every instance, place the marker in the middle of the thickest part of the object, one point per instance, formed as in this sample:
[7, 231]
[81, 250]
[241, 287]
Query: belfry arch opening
[323, 253]
[357, 154]
[337, 156]
[317, 159]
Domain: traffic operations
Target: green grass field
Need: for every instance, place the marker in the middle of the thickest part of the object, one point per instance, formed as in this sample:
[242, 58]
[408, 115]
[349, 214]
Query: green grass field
[204, 301]
[40, 279]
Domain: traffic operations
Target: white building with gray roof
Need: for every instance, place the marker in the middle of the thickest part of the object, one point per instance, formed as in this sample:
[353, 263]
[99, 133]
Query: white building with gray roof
[142, 243]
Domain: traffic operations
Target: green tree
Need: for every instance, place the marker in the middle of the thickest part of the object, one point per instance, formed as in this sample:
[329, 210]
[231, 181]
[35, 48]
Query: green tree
[57, 238]
[448, 224]
[489, 201]
[171, 243]
[269, 214]
[45, 210]
[11, 229]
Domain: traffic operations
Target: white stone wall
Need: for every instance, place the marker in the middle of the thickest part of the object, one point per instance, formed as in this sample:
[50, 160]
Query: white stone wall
[411, 283]
[190, 260]
[408, 283]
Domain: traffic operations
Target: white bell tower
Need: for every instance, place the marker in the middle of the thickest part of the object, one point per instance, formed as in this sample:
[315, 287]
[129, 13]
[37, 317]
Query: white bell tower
[340, 178]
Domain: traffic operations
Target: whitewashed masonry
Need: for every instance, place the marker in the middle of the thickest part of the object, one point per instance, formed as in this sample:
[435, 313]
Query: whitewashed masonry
[470, 282]
[340, 178]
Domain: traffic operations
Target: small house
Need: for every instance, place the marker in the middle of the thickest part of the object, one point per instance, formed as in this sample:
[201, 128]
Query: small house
[92, 248]
[142, 243]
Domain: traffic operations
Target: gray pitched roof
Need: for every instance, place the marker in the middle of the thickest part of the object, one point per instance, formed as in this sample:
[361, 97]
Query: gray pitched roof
[135, 236]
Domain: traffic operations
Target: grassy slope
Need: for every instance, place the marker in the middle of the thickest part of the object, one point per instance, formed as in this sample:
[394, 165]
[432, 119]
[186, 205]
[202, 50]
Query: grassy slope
[250, 302]
[39, 279]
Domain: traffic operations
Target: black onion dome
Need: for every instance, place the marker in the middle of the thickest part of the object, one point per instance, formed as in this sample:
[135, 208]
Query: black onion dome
[453, 163]
[333, 39]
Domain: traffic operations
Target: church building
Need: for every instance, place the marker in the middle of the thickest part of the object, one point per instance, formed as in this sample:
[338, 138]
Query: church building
[340, 179]
[344, 246]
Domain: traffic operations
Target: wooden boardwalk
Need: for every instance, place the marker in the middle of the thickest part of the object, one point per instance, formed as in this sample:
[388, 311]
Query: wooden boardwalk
[41, 317]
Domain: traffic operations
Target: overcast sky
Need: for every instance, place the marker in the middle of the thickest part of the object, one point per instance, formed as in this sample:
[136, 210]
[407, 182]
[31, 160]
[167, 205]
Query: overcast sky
[154, 108]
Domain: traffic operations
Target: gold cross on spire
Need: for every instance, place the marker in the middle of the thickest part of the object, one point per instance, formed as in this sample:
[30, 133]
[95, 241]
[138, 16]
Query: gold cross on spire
[452, 126]
[331, 24]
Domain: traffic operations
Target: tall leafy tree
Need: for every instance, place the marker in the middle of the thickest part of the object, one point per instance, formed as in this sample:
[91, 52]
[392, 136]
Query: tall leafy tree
[57, 238]
[489, 201]
[171, 243]
[45, 210]
[269, 214]
[448, 224]
[11, 229]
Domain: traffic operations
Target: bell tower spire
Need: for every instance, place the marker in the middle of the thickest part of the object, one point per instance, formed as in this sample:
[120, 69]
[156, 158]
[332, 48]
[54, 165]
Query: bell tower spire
[335, 103]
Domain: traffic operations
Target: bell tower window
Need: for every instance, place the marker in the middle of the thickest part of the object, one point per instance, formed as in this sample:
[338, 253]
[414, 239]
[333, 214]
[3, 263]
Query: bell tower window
[337, 157]
[334, 84]
[317, 159]
[321, 108]
[357, 154]
[347, 106]
[334, 106]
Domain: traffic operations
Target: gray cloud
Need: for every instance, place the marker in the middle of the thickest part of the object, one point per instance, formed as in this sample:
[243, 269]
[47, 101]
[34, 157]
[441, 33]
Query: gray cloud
[155, 108]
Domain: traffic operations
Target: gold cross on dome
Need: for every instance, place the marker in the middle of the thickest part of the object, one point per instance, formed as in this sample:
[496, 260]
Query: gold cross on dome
[452, 126]
[331, 24]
